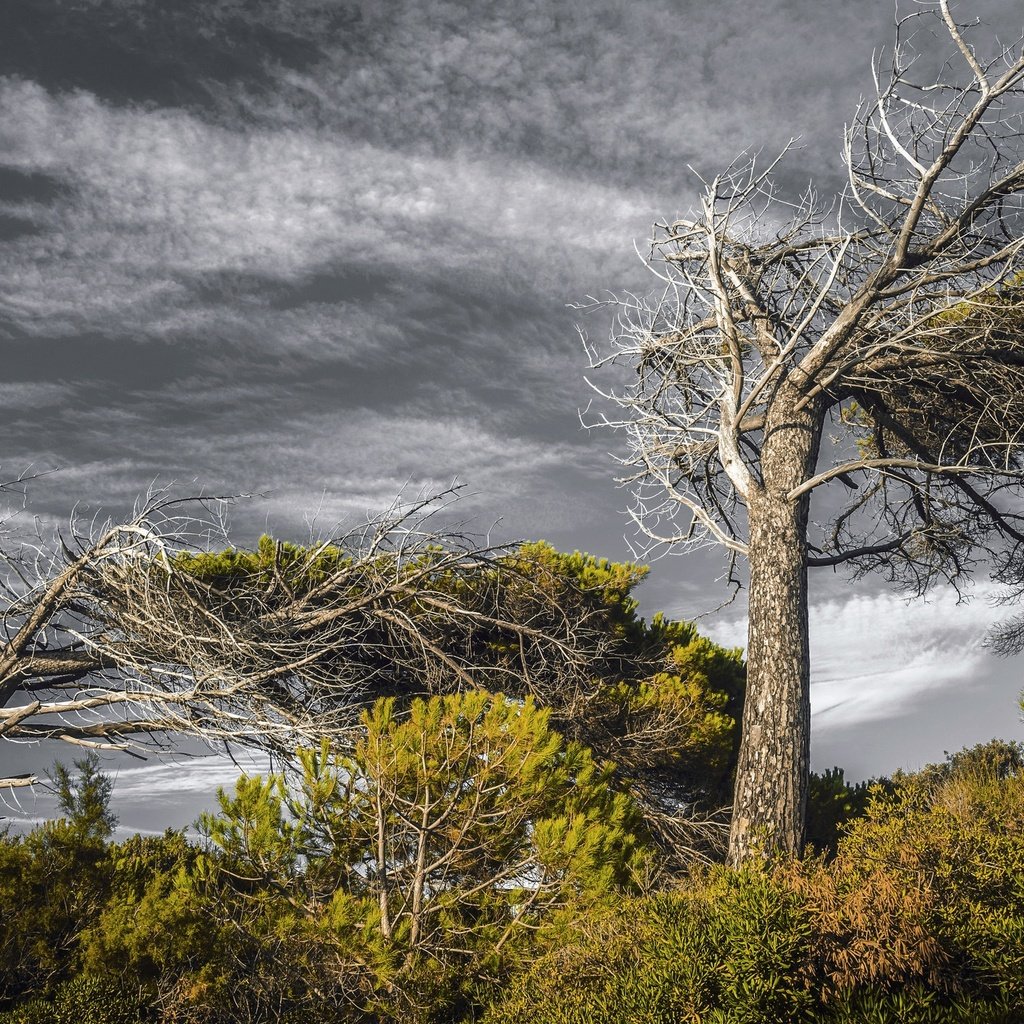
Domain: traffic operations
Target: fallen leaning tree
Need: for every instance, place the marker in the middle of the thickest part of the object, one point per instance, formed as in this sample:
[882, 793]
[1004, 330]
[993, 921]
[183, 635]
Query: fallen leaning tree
[123, 637]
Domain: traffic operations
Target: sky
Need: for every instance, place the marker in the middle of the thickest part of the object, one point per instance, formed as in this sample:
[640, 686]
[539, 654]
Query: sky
[325, 253]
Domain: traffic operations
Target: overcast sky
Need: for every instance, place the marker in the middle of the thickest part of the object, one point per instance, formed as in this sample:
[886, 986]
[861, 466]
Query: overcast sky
[324, 251]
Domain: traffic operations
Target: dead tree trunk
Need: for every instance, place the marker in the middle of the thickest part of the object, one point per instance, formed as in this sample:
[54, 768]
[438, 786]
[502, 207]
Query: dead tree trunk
[894, 318]
[774, 758]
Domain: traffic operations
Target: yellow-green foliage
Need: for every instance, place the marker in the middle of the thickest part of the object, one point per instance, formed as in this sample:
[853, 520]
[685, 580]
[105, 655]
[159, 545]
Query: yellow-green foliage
[403, 877]
[919, 918]
[51, 882]
[501, 809]
[151, 924]
[954, 834]
[727, 948]
[300, 568]
[530, 904]
[664, 701]
[673, 696]
[85, 999]
[832, 803]
[611, 583]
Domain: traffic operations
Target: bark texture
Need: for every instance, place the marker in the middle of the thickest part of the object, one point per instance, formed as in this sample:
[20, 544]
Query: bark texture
[774, 759]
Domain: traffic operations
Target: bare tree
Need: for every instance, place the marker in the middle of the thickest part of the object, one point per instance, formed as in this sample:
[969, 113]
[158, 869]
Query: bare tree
[872, 348]
[128, 635]
[66, 663]
[123, 634]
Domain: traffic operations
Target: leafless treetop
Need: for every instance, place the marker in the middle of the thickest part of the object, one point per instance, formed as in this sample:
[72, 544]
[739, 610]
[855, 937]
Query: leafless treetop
[890, 316]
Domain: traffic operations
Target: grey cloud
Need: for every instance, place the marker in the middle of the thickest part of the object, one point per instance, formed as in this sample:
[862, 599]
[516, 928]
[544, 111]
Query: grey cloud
[612, 92]
[302, 446]
[322, 251]
[172, 226]
[171, 54]
[609, 90]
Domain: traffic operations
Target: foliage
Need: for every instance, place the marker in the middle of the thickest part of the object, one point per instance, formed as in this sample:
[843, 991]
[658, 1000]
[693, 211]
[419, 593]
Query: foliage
[52, 882]
[832, 803]
[85, 999]
[955, 833]
[287, 644]
[918, 918]
[729, 947]
[647, 678]
[403, 870]
[511, 864]
[656, 698]
[665, 701]
[440, 841]
[151, 927]
[84, 797]
[402, 878]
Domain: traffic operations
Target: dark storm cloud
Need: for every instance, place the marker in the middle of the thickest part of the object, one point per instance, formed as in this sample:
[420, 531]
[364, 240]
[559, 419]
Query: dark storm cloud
[321, 276]
[27, 186]
[224, 212]
[25, 190]
[603, 87]
[530, 140]
[170, 54]
[169, 219]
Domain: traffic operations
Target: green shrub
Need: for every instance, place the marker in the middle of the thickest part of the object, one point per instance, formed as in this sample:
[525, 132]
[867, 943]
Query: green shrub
[731, 948]
[832, 804]
[86, 999]
[35, 1011]
[918, 919]
[955, 834]
[918, 1004]
[52, 881]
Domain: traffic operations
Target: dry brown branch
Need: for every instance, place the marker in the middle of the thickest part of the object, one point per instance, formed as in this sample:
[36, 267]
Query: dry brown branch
[112, 638]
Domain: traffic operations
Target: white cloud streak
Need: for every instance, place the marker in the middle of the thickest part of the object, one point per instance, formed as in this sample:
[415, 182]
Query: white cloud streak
[876, 656]
[200, 775]
[162, 201]
[151, 798]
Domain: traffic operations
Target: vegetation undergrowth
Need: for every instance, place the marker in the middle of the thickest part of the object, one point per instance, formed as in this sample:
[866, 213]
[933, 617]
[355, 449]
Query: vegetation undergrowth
[918, 917]
[523, 889]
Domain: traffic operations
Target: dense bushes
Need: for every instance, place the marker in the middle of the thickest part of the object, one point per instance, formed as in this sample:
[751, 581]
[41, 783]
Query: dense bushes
[85, 999]
[404, 877]
[52, 882]
[919, 918]
[400, 880]
[514, 887]
[469, 856]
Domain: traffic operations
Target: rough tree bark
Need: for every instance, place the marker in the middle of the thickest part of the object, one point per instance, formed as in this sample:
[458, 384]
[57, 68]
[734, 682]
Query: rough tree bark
[774, 758]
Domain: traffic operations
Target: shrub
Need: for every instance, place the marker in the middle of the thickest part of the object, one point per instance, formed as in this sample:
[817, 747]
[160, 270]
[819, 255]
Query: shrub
[832, 804]
[954, 834]
[86, 999]
[52, 881]
[733, 947]
[918, 919]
